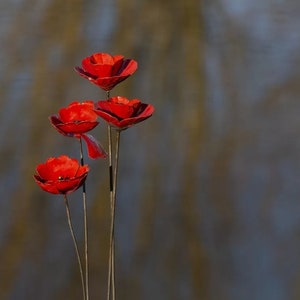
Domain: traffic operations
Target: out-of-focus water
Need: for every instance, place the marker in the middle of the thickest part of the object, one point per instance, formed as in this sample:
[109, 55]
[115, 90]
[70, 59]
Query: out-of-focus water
[208, 200]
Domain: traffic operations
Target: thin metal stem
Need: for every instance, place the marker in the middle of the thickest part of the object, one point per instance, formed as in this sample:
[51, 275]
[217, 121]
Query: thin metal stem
[113, 174]
[113, 213]
[85, 221]
[111, 184]
[112, 285]
[75, 245]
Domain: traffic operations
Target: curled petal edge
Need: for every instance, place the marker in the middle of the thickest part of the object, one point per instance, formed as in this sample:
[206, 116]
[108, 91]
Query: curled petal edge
[94, 149]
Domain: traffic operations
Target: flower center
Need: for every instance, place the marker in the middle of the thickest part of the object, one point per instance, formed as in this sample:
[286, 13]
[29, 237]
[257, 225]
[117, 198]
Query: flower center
[61, 178]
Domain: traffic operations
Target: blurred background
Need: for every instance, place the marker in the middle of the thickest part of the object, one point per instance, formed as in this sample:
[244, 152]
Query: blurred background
[208, 203]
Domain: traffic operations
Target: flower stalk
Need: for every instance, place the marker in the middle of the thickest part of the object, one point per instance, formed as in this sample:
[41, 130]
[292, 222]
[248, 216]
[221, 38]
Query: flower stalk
[111, 272]
[113, 214]
[85, 224]
[111, 189]
[111, 264]
[75, 246]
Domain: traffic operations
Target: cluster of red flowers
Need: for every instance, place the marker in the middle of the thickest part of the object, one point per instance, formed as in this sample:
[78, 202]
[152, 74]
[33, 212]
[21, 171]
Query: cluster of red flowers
[63, 175]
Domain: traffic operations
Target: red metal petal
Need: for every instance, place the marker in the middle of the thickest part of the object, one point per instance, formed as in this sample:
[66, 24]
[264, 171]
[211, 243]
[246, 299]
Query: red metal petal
[95, 150]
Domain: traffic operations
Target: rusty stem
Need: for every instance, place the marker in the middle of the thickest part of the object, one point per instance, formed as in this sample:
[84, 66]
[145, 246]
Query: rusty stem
[111, 184]
[75, 246]
[85, 221]
[113, 213]
[110, 281]
[113, 172]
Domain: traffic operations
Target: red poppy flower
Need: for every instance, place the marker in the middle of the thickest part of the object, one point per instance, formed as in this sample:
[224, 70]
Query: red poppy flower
[75, 120]
[106, 70]
[123, 113]
[60, 175]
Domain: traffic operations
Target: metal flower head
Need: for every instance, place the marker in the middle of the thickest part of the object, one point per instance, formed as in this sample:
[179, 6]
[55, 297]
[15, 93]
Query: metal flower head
[105, 70]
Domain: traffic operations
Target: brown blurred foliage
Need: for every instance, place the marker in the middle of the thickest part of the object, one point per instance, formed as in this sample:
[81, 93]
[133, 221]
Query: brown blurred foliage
[208, 189]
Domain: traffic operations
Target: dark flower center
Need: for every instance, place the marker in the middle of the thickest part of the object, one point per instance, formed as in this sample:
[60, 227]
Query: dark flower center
[61, 178]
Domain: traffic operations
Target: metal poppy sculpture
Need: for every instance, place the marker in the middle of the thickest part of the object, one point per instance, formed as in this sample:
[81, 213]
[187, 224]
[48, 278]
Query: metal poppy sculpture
[64, 175]
[122, 113]
[60, 175]
[76, 120]
[105, 70]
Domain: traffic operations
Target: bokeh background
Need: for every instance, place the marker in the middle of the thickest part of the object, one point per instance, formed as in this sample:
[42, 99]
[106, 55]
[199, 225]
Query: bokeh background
[208, 201]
